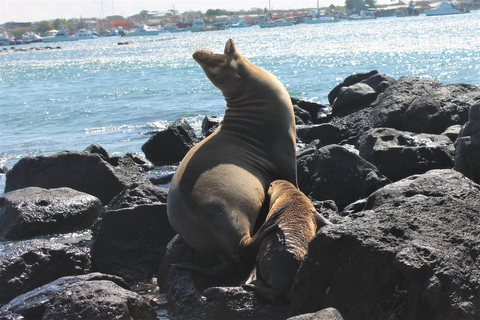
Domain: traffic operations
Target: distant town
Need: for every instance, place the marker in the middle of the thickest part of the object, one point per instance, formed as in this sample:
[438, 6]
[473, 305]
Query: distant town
[215, 19]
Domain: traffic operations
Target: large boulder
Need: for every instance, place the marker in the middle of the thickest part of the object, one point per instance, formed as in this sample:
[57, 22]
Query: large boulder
[324, 314]
[98, 299]
[32, 305]
[131, 242]
[360, 94]
[444, 107]
[336, 173]
[139, 194]
[33, 263]
[467, 146]
[408, 251]
[192, 295]
[319, 113]
[84, 171]
[170, 145]
[428, 106]
[391, 105]
[326, 133]
[399, 154]
[348, 81]
[33, 211]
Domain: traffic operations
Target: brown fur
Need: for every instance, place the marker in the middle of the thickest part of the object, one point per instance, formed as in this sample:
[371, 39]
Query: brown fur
[219, 188]
[284, 248]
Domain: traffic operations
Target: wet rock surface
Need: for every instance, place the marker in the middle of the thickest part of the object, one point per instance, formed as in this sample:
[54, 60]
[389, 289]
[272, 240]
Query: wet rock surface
[84, 171]
[33, 211]
[33, 263]
[401, 250]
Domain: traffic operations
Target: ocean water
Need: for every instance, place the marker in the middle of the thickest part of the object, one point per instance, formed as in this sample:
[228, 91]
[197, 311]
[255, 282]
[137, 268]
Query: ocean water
[96, 91]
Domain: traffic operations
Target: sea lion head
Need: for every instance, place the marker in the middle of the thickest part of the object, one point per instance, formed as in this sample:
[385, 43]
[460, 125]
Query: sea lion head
[226, 71]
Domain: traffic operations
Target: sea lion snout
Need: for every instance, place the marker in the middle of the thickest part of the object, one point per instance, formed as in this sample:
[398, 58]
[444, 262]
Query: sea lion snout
[201, 55]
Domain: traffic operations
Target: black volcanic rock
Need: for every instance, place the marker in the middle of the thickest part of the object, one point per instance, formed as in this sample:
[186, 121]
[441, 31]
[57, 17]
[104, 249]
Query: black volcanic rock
[408, 251]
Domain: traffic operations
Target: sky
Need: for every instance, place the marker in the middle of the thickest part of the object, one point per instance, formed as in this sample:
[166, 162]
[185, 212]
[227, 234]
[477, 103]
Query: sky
[38, 10]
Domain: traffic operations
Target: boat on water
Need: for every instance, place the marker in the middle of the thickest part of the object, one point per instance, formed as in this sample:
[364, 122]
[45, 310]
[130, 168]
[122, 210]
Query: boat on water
[61, 35]
[199, 25]
[5, 40]
[111, 33]
[445, 8]
[364, 15]
[144, 30]
[277, 23]
[240, 24]
[85, 34]
[319, 17]
[31, 38]
[325, 19]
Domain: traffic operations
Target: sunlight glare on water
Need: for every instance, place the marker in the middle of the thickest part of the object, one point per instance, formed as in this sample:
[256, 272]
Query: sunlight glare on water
[97, 91]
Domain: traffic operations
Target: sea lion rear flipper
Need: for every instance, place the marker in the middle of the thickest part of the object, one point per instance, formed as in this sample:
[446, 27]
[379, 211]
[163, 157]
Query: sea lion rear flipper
[249, 245]
[321, 221]
[262, 289]
[221, 269]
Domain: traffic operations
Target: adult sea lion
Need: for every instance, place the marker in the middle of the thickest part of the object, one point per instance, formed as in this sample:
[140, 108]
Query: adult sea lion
[218, 190]
[284, 248]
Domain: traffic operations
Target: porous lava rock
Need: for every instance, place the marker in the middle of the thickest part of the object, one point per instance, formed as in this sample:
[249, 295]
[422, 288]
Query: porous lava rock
[29, 264]
[169, 146]
[83, 171]
[467, 146]
[399, 154]
[33, 211]
[32, 305]
[336, 173]
[131, 242]
[408, 251]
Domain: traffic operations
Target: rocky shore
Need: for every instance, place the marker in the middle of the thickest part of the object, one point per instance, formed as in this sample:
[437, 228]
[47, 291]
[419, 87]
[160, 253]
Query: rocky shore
[394, 164]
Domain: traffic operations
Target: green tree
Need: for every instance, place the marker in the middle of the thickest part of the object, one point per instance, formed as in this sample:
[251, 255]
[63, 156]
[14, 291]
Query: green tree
[215, 12]
[59, 23]
[144, 14]
[353, 4]
[43, 27]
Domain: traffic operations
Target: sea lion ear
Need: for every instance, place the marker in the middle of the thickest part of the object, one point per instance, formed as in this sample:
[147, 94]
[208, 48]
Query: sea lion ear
[230, 47]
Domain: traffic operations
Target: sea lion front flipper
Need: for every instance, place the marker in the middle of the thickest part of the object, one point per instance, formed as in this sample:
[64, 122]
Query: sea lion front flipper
[222, 269]
[248, 247]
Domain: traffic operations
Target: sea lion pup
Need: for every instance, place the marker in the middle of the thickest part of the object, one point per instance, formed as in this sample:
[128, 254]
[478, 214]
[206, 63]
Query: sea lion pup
[220, 186]
[285, 247]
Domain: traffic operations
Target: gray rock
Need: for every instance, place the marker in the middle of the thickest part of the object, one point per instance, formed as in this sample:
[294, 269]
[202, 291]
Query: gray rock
[131, 242]
[335, 173]
[419, 105]
[139, 194]
[326, 133]
[439, 109]
[399, 154]
[98, 299]
[391, 105]
[83, 171]
[319, 113]
[170, 145]
[467, 151]
[210, 124]
[325, 314]
[33, 211]
[348, 81]
[452, 132]
[192, 295]
[34, 303]
[353, 96]
[33, 263]
[410, 252]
